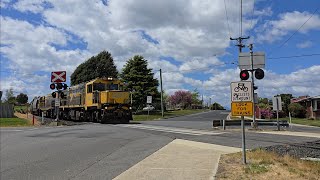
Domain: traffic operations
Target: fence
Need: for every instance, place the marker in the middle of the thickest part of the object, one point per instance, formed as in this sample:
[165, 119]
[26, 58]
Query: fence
[6, 110]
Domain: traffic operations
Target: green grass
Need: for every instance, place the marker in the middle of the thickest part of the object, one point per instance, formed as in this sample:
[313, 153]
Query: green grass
[21, 109]
[306, 122]
[12, 122]
[256, 168]
[303, 121]
[157, 115]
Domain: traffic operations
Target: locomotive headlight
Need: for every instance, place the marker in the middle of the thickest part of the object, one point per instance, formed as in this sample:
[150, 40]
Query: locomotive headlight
[130, 107]
[110, 78]
[106, 108]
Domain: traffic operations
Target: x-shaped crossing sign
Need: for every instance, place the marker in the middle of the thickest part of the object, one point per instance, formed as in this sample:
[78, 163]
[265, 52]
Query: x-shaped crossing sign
[58, 76]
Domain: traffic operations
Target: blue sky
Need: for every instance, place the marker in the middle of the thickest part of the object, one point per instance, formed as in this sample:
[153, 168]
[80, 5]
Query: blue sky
[188, 39]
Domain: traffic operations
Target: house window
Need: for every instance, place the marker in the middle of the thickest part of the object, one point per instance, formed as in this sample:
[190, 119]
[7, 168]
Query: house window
[315, 105]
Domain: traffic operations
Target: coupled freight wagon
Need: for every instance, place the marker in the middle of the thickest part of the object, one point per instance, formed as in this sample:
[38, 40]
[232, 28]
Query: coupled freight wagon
[99, 100]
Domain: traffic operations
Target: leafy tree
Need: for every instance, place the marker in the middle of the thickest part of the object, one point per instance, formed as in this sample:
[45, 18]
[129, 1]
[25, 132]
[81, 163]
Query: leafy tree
[22, 98]
[183, 98]
[101, 65]
[285, 98]
[264, 101]
[216, 106]
[195, 97]
[10, 98]
[297, 110]
[140, 80]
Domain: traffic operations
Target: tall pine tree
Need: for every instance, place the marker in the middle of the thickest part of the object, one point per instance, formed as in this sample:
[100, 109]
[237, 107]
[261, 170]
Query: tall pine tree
[140, 79]
[101, 65]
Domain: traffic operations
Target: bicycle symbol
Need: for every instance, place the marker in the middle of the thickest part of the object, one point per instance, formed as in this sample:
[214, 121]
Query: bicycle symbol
[241, 87]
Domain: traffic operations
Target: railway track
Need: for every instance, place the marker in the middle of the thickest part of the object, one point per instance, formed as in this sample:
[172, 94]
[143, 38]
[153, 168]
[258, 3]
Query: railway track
[301, 150]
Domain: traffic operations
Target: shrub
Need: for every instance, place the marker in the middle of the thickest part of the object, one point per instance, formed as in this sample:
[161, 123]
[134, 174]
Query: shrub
[297, 110]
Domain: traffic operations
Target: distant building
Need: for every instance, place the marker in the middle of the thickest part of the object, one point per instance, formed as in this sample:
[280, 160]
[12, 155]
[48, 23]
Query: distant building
[312, 105]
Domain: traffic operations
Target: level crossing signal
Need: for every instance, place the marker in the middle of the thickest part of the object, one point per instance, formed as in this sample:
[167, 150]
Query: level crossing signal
[58, 86]
[244, 75]
[61, 94]
[258, 73]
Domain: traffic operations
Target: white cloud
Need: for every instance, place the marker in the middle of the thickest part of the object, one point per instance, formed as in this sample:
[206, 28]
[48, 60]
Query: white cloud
[290, 21]
[304, 44]
[35, 6]
[190, 31]
[31, 48]
[264, 12]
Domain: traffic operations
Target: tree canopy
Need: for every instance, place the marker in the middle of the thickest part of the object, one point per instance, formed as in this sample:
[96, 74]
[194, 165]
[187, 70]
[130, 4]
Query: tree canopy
[216, 106]
[22, 98]
[101, 65]
[195, 97]
[140, 80]
[183, 98]
[285, 98]
[10, 98]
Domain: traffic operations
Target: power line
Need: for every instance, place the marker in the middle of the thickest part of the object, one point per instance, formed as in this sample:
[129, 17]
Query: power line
[296, 30]
[252, 17]
[294, 56]
[225, 8]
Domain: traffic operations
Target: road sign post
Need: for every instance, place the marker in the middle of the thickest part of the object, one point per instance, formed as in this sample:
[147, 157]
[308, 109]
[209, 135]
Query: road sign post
[277, 105]
[149, 101]
[242, 105]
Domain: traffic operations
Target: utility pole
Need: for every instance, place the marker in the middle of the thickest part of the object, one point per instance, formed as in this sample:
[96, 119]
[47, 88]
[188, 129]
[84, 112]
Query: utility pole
[57, 105]
[240, 45]
[239, 39]
[161, 93]
[254, 124]
[202, 101]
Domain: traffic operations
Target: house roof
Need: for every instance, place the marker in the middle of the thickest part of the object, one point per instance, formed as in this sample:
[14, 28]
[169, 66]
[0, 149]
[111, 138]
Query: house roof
[303, 99]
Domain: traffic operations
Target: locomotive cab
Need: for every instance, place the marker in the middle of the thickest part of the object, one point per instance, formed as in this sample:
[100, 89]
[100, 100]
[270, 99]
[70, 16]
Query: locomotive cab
[108, 95]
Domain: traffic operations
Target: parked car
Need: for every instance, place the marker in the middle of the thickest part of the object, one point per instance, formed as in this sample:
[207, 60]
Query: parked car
[148, 108]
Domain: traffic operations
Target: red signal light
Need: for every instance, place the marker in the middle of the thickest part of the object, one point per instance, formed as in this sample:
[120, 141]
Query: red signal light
[52, 86]
[244, 75]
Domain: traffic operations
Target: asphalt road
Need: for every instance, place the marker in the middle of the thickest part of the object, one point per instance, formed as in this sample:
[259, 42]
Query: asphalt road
[102, 151]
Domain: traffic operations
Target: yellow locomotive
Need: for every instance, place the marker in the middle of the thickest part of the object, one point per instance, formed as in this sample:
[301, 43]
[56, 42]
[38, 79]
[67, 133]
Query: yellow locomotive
[99, 100]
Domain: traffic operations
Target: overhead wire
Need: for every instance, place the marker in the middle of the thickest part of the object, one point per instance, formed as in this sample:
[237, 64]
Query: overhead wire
[294, 56]
[225, 8]
[252, 14]
[295, 31]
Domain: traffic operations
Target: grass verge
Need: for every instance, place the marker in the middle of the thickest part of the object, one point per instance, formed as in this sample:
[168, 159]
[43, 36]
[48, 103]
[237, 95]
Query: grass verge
[13, 122]
[24, 108]
[302, 121]
[167, 114]
[266, 165]
[306, 122]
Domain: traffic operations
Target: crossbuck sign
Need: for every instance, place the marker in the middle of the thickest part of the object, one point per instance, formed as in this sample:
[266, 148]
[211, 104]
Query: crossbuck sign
[241, 91]
[58, 76]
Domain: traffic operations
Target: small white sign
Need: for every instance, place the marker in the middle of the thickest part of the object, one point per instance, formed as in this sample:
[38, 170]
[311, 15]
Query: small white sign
[57, 102]
[276, 103]
[245, 60]
[149, 99]
[241, 91]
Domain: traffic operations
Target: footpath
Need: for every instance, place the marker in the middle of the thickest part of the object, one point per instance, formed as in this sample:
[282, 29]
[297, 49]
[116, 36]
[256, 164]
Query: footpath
[180, 159]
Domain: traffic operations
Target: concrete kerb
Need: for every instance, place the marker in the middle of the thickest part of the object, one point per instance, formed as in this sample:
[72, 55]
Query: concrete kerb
[180, 159]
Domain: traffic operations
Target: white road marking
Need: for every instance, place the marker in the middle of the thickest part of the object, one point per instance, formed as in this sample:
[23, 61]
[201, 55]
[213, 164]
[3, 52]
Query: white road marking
[172, 129]
[8, 130]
